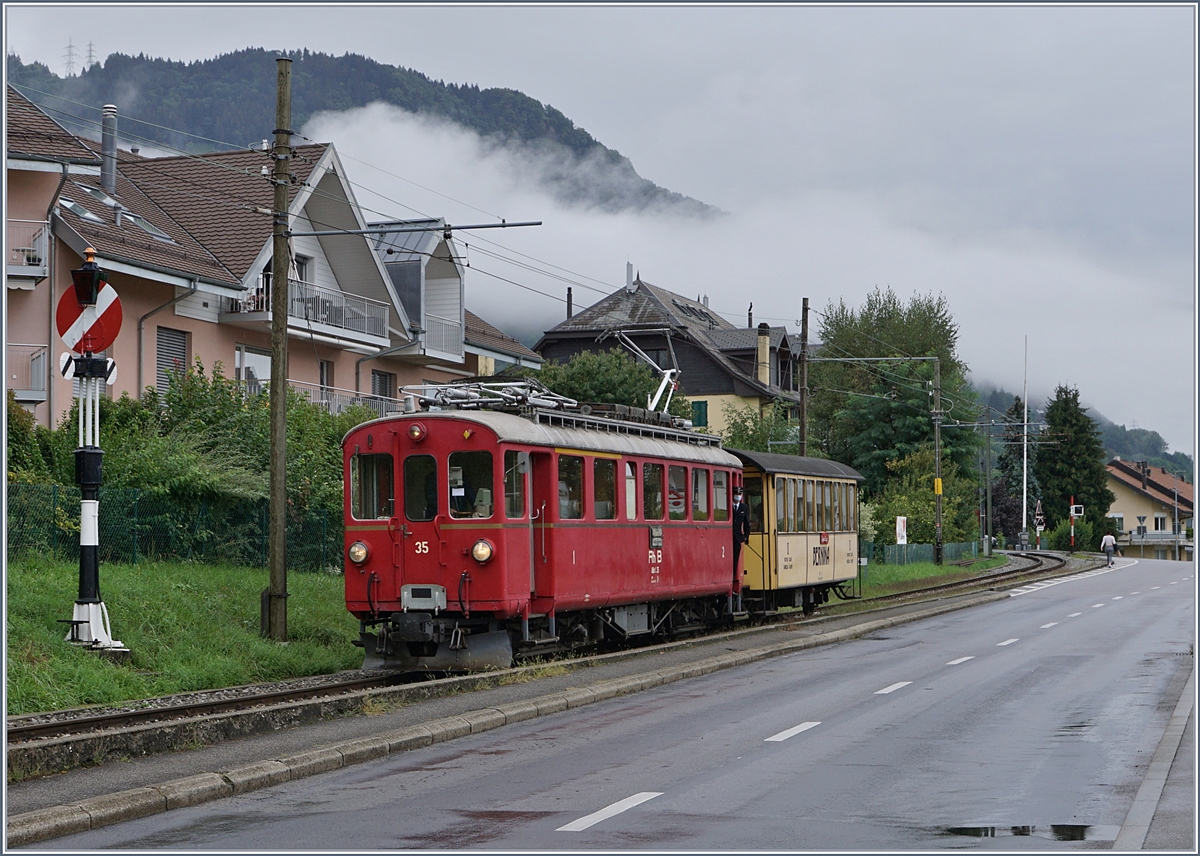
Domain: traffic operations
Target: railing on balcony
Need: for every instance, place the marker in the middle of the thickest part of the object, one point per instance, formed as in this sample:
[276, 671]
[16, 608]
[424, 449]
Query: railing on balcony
[27, 247]
[442, 334]
[27, 371]
[308, 302]
[339, 400]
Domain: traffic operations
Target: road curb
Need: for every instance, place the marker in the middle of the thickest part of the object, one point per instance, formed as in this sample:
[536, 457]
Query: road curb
[56, 821]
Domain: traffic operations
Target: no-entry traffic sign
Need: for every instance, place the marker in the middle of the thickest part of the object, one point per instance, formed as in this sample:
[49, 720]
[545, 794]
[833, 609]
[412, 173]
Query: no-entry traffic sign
[89, 329]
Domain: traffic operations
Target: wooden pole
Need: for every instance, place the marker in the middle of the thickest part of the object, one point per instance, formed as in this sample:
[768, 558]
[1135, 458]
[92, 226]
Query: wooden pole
[280, 268]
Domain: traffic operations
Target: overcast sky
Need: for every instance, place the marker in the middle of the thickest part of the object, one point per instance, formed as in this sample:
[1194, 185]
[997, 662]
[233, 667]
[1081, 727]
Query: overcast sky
[1035, 164]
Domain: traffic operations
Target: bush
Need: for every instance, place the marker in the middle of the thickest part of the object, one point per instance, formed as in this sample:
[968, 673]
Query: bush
[1085, 537]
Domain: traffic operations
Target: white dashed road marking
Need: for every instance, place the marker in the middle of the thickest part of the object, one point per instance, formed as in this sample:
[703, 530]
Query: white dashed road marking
[1046, 626]
[1118, 597]
[610, 811]
[1075, 615]
[791, 732]
[1097, 605]
[892, 688]
[959, 660]
[1006, 642]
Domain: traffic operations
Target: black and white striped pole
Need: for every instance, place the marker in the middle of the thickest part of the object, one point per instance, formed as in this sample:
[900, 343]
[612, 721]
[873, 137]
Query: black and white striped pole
[88, 318]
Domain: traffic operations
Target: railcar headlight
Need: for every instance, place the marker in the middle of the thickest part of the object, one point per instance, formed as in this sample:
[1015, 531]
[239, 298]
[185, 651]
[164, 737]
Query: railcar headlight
[358, 552]
[483, 551]
[416, 432]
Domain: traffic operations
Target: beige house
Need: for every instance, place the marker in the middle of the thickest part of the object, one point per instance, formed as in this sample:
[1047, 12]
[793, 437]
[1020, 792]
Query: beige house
[187, 244]
[1152, 511]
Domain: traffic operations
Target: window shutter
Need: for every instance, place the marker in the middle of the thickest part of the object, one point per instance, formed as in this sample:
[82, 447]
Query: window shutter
[172, 354]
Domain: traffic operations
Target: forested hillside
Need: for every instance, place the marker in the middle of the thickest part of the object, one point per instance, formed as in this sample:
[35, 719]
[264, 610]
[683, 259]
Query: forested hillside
[231, 99]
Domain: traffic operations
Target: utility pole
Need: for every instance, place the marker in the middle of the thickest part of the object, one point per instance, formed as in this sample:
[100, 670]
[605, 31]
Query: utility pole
[276, 595]
[804, 380]
[937, 461]
[987, 549]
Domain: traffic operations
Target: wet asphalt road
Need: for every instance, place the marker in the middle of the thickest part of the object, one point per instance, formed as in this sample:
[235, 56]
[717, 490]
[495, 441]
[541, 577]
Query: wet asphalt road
[1024, 724]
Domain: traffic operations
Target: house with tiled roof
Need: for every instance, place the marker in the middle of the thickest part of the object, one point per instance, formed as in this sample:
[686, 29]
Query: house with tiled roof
[489, 350]
[187, 245]
[1152, 511]
[720, 365]
[40, 158]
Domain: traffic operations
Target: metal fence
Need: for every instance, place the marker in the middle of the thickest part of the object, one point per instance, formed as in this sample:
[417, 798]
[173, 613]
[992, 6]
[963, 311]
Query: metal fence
[907, 554]
[135, 526]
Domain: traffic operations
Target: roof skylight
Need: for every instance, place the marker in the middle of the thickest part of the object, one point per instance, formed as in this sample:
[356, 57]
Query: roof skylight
[146, 226]
[79, 211]
[97, 193]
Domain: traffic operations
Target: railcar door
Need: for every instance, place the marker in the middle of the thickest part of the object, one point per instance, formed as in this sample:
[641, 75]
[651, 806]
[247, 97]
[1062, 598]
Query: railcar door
[544, 494]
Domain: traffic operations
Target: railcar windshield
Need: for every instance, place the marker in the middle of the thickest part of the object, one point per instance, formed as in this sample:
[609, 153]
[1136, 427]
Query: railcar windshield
[652, 491]
[420, 488]
[371, 496]
[470, 484]
[570, 487]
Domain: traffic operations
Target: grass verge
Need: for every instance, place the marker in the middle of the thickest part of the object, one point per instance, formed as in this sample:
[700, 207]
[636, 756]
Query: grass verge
[189, 627]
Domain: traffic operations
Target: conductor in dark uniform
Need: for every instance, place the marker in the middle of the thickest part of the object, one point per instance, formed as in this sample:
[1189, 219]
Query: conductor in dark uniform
[741, 528]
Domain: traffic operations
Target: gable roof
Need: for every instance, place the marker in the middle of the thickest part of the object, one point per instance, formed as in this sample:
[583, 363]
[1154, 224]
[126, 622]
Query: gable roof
[648, 307]
[32, 133]
[1161, 485]
[483, 335]
[222, 199]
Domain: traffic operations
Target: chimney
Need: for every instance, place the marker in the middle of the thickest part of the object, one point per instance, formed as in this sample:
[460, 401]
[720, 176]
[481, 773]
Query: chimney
[570, 310]
[750, 315]
[108, 150]
[1144, 467]
[134, 149]
[629, 277]
[764, 353]
[706, 301]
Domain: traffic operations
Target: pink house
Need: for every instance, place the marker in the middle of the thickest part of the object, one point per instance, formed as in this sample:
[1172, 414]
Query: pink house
[186, 242]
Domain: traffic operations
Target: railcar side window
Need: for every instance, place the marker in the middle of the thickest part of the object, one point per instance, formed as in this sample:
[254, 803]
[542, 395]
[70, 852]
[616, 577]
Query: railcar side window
[570, 487]
[371, 496]
[604, 489]
[753, 487]
[720, 496]
[819, 507]
[780, 514]
[677, 493]
[799, 505]
[420, 487]
[514, 486]
[791, 505]
[810, 514]
[699, 494]
[852, 492]
[652, 491]
[828, 505]
[630, 491]
[470, 484]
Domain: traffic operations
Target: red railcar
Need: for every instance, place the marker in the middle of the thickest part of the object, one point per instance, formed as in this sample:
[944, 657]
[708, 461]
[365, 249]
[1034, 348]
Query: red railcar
[474, 534]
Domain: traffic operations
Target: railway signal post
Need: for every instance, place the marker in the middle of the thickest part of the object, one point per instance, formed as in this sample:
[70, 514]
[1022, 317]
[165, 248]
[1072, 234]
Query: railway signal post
[88, 318]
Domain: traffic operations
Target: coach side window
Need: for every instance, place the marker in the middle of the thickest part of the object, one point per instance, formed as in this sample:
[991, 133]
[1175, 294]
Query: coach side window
[514, 486]
[371, 486]
[604, 488]
[720, 496]
[630, 491]
[652, 491]
[677, 493]
[780, 505]
[420, 488]
[570, 487]
[699, 494]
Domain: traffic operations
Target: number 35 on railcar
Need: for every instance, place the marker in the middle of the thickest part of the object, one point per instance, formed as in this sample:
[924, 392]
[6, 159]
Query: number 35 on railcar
[472, 535]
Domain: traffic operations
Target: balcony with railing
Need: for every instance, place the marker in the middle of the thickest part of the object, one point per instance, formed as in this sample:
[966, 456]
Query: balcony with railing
[27, 249]
[443, 337]
[27, 372]
[337, 401]
[312, 308]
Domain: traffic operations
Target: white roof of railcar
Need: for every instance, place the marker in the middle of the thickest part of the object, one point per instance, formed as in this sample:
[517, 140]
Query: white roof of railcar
[603, 435]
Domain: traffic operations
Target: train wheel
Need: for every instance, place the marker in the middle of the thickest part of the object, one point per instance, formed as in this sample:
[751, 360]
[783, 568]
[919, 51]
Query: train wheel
[808, 602]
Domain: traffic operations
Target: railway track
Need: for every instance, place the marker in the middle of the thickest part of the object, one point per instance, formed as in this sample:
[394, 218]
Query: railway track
[81, 723]
[24, 729]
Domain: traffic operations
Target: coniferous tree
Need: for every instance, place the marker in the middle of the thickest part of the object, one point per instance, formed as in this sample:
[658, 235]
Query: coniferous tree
[1070, 463]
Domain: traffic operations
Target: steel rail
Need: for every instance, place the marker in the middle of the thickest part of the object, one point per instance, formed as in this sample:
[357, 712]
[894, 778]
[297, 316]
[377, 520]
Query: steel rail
[23, 732]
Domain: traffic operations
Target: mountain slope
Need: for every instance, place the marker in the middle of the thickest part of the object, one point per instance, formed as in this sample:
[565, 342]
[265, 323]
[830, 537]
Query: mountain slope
[231, 99]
